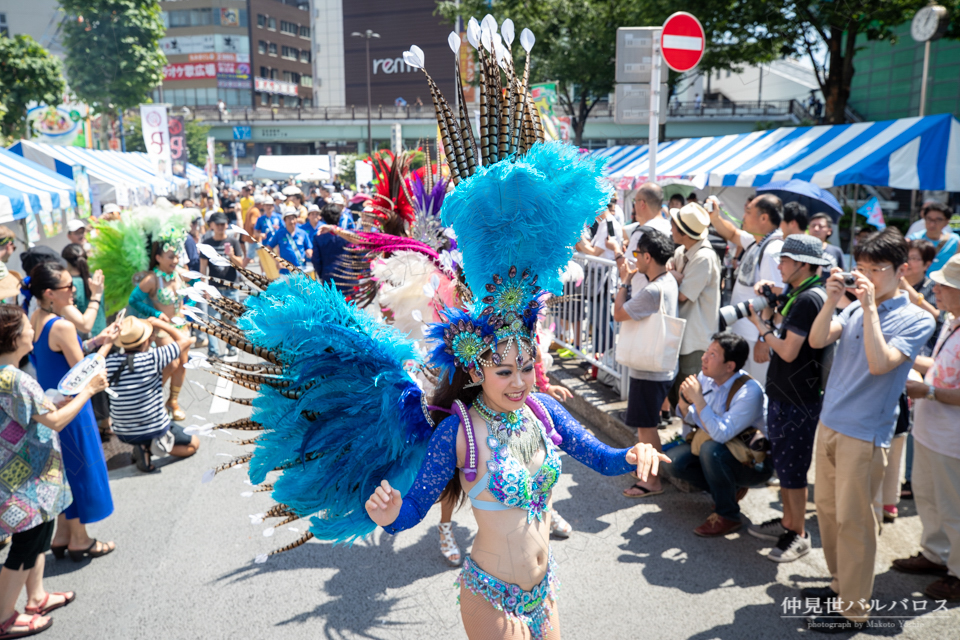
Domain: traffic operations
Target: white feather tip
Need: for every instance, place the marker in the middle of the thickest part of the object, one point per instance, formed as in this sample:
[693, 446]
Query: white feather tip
[454, 41]
[527, 39]
[507, 30]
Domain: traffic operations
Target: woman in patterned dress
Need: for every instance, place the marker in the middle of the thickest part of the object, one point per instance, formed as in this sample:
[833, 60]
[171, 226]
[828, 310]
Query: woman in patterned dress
[33, 489]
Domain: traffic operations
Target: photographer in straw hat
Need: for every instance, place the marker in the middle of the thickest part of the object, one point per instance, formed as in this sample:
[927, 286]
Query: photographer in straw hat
[138, 413]
[697, 270]
[793, 385]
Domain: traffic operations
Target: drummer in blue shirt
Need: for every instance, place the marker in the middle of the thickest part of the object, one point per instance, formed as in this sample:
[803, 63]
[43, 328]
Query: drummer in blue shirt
[313, 221]
[292, 243]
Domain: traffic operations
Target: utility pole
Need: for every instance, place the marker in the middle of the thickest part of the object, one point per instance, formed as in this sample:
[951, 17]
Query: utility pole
[366, 36]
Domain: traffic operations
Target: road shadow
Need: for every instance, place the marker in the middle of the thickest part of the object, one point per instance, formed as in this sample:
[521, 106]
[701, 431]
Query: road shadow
[358, 595]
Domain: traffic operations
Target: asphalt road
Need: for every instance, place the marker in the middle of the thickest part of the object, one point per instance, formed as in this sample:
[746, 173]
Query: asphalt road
[633, 569]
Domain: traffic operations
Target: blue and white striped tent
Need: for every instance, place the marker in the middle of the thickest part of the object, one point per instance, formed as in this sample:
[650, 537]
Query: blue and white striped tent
[910, 153]
[26, 188]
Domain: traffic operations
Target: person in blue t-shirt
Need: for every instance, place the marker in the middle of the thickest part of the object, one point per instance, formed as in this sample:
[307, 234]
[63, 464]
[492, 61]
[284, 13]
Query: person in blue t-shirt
[328, 248]
[268, 223]
[313, 221]
[936, 219]
[292, 243]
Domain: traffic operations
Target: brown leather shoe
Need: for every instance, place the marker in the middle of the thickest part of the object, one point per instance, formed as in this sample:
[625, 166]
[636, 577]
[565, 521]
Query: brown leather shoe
[741, 493]
[919, 564]
[717, 525]
[946, 588]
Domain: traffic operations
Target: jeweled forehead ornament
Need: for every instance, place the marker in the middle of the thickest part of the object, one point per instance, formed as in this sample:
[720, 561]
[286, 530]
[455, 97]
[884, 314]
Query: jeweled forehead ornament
[172, 240]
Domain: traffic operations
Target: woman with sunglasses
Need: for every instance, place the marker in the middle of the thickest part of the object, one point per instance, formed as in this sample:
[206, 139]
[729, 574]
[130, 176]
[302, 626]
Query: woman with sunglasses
[56, 349]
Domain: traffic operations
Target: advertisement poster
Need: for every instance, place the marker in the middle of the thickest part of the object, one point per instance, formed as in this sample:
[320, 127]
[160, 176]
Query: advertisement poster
[33, 231]
[233, 75]
[82, 182]
[545, 97]
[468, 71]
[50, 223]
[230, 17]
[178, 147]
[190, 71]
[156, 136]
[59, 125]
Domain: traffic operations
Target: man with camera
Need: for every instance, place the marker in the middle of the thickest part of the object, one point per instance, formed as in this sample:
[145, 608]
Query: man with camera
[793, 390]
[761, 240]
[726, 406]
[879, 336]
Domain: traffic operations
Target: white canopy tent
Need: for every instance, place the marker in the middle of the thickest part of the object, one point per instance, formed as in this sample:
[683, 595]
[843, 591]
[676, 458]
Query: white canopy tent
[285, 167]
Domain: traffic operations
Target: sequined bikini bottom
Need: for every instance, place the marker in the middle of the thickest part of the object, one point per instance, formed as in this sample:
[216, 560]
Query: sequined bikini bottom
[532, 608]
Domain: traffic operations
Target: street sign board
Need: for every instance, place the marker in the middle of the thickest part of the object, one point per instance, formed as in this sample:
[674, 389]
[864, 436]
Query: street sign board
[242, 133]
[683, 41]
[635, 54]
[633, 103]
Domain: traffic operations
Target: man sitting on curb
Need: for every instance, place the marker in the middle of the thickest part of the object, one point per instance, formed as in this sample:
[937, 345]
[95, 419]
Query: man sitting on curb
[725, 402]
[139, 417]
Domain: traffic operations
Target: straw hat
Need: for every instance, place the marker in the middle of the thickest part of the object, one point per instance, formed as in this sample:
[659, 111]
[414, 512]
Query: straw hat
[693, 220]
[133, 333]
[950, 274]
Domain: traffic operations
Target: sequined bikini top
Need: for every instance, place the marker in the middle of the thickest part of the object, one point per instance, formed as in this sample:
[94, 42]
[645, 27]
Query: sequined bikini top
[509, 481]
[165, 296]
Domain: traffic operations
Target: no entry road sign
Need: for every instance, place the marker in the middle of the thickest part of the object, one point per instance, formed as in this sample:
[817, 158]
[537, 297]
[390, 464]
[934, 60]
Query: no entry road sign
[682, 41]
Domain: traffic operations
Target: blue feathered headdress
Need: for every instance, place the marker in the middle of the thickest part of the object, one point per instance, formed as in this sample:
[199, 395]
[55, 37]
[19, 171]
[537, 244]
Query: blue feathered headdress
[517, 222]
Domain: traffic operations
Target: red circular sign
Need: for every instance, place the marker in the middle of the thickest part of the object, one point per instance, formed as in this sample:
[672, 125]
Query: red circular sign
[682, 41]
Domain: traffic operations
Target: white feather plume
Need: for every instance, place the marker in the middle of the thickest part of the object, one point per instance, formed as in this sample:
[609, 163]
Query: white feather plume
[527, 39]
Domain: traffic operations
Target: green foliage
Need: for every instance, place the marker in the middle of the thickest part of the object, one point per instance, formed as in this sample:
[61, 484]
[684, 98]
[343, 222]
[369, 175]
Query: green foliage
[28, 73]
[113, 50]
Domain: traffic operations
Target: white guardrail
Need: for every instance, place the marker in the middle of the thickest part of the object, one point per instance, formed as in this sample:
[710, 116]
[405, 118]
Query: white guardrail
[582, 319]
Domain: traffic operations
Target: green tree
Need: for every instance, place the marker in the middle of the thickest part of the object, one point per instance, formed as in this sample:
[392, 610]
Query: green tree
[576, 39]
[28, 73]
[113, 50]
[835, 25]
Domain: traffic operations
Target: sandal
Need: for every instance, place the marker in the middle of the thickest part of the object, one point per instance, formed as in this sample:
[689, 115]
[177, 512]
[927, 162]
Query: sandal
[644, 492]
[44, 609]
[32, 628]
[58, 551]
[102, 550]
[448, 544]
[141, 457]
[906, 491]
[558, 526]
[176, 413]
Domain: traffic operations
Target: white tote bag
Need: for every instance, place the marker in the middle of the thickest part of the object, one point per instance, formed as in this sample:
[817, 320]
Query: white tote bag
[651, 343]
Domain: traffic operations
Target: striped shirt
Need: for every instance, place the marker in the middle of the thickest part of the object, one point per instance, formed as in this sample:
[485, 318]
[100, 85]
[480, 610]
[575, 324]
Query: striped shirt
[138, 413]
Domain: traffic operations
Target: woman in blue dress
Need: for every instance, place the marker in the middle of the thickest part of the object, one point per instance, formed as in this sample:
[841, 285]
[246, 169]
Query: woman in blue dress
[57, 348]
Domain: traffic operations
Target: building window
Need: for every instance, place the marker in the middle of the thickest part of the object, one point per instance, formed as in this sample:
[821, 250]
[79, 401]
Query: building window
[264, 72]
[4, 28]
[304, 56]
[307, 102]
[306, 81]
[272, 49]
[190, 18]
[290, 53]
[291, 76]
[304, 31]
[265, 99]
[274, 74]
[262, 48]
[272, 24]
[289, 27]
[261, 20]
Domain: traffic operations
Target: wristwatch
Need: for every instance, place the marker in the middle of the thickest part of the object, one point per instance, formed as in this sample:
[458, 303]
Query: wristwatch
[931, 393]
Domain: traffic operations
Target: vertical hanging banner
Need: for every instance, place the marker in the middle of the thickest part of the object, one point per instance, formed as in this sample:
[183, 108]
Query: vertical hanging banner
[178, 146]
[82, 182]
[156, 136]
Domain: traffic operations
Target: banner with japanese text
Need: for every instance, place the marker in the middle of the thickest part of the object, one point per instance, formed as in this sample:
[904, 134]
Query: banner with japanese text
[156, 136]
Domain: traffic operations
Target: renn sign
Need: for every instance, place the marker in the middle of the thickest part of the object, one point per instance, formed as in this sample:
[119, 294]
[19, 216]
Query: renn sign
[391, 65]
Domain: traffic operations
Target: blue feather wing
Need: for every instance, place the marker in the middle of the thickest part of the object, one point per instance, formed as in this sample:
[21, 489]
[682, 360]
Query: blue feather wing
[358, 419]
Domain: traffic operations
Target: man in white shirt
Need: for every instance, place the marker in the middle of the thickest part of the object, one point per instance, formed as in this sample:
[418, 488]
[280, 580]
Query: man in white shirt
[761, 241]
[647, 206]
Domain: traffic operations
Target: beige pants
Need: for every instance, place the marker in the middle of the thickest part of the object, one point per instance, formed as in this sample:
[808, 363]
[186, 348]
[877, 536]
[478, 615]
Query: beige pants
[936, 491]
[890, 487]
[849, 476]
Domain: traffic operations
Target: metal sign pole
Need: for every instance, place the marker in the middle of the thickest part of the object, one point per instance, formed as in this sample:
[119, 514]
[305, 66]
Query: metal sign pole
[654, 126]
[923, 81]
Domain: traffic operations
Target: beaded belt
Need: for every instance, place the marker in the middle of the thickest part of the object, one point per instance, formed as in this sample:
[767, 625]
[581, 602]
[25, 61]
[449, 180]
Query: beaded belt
[529, 607]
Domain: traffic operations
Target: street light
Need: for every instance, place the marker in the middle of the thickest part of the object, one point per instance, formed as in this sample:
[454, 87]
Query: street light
[366, 36]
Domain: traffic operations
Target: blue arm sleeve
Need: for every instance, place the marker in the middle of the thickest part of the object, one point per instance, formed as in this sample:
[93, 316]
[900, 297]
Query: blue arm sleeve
[439, 465]
[140, 303]
[583, 446]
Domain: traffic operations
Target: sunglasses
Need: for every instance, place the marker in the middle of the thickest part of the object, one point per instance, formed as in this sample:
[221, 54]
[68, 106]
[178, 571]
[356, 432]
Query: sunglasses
[67, 286]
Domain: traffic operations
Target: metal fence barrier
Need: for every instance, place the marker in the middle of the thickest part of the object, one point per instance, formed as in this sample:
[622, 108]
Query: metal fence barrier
[582, 319]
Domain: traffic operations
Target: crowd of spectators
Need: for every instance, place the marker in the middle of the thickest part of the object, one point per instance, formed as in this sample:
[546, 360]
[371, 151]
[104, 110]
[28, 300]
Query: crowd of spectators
[811, 367]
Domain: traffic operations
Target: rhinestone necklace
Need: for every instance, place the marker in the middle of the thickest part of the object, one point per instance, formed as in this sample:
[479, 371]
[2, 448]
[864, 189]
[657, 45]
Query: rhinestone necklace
[514, 429]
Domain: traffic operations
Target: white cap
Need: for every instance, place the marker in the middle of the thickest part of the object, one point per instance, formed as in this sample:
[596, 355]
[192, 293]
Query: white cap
[75, 225]
[337, 199]
[288, 211]
[279, 196]
[312, 207]
[110, 208]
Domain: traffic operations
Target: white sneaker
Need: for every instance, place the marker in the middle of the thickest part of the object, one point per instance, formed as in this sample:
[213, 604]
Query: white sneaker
[558, 526]
[770, 530]
[790, 547]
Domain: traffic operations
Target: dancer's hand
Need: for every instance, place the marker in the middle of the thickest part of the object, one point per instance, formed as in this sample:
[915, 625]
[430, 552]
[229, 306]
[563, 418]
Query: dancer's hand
[383, 507]
[647, 460]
